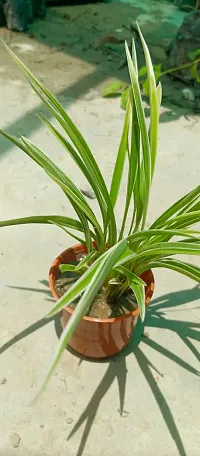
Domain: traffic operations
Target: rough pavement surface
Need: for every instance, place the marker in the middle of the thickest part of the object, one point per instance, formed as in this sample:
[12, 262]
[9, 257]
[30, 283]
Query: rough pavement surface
[145, 401]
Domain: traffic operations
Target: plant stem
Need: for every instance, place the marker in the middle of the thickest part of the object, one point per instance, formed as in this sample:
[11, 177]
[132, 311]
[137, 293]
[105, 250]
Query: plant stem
[185, 65]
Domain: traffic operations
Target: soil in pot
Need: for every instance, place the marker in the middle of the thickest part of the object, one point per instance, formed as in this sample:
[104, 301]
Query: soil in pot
[100, 308]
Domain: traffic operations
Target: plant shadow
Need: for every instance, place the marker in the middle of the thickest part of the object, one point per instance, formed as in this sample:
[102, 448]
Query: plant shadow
[117, 369]
[157, 317]
[45, 291]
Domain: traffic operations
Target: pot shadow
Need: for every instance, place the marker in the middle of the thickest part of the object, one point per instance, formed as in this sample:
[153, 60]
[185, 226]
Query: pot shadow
[117, 369]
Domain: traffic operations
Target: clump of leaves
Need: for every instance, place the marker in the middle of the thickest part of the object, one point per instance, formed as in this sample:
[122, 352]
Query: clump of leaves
[117, 255]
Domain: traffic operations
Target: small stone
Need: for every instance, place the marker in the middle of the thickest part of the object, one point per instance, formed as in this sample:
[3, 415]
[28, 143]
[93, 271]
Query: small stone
[74, 402]
[105, 417]
[110, 58]
[15, 440]
[41, 426]
[3, 380]
[188, 94]
[69, 420]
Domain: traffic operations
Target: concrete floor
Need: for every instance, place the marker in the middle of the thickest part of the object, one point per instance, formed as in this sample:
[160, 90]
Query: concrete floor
[145, 401]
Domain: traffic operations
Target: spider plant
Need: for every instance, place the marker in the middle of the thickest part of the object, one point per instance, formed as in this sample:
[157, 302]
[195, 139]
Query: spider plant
[117, 255]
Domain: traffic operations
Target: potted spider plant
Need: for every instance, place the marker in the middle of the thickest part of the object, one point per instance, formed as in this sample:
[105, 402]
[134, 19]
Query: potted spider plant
[103, 283]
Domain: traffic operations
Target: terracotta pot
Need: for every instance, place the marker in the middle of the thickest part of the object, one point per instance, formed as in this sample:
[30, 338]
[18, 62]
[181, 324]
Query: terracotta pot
[98, 338]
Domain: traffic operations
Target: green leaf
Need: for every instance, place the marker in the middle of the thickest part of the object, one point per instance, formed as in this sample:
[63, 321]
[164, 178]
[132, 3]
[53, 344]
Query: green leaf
[67, 267]
[61, 179]
[154, 234]
[139, 293]
[113, 88]
[77, 288]
[74, 291]
[133, 170]
[194, 73]
[130, 275]
[194, 207]
[159, 94]
[82, 241]
[184, 220]
[114, 282]
[176, 265]
[96, 179]
[124, 98]
[140, 198]
[57, 220]
[182, 204]
[127, 255]
[119, 164]
[157, 71]
[80, 163]
[136, 173]
[86, 300]
[45, 219]
[147, 253]
[77, 202]
[156, 68]
[145, 87]
[134, 58]
[169, 248]
[77, 140]
[88, 258]
[142, 71]
[143, 128]
[193, 54]
[154, 115]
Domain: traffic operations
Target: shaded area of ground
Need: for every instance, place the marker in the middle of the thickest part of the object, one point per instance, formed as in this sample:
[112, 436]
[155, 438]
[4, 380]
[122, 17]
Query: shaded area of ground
[94, 34]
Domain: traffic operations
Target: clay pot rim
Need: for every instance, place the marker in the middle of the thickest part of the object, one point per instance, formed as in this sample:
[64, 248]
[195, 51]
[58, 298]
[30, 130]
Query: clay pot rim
[55, 266]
